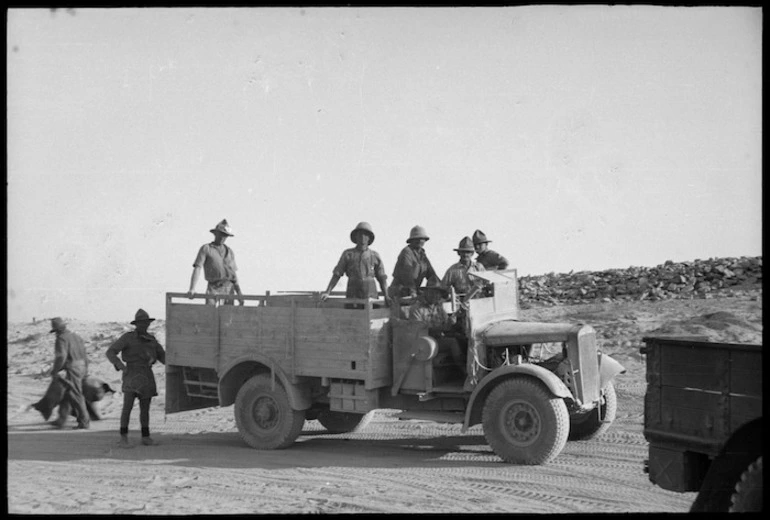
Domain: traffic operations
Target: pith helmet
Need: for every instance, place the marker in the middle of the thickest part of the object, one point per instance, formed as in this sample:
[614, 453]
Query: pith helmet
[223, 227]
[366, 228]
[417, 233]
[465, 245]
[141, 315]
[479, 237]
[58, 324]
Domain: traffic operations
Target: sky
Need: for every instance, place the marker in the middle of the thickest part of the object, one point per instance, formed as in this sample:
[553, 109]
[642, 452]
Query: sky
[577, 138]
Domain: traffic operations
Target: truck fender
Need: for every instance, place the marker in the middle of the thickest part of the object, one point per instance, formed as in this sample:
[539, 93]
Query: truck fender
[608, 369]
[242, 368]
[476, 403]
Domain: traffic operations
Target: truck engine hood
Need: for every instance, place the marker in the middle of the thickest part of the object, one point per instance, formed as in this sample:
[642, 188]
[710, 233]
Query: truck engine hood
[510, 332]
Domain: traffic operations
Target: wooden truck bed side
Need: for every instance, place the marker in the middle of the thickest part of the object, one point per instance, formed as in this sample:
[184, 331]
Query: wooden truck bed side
[300, 336]
[698, 393]
[192, 335]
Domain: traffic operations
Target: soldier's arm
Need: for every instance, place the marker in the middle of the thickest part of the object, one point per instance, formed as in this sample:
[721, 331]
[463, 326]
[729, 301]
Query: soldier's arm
[113, 351]
[60, 355]
[160, 354]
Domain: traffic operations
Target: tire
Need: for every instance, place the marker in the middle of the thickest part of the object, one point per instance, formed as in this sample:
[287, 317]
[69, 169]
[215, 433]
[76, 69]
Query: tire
[524, 423]
[264, 418]
[340, 422]
[585, 426]
[748, 491]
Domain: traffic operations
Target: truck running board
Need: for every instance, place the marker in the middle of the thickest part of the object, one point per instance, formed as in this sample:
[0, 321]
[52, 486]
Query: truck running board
[441, 417]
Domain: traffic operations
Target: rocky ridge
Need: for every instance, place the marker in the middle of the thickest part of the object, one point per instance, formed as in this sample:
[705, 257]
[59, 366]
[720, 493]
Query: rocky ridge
[710, 278]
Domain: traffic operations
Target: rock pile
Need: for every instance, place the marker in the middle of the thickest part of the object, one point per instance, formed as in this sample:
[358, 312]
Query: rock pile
[696, 279]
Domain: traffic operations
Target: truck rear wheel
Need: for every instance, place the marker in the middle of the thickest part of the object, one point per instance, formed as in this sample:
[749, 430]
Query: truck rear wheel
[524, 423]
[585, 426]
[339, 422]
[264, 418]
[748, 491]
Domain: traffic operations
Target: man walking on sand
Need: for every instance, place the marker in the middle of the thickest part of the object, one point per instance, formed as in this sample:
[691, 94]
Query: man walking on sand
[70, 357]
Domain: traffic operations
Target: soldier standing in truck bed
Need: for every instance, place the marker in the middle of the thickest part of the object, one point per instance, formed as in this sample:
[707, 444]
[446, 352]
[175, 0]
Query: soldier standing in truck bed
[412, 267]
[491, 260]
[362, 265]
[218, 263]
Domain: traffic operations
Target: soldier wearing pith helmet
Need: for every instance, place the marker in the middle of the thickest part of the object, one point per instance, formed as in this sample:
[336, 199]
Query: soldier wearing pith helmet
[362, 265]
[412, 267]
[217, 260]
[491, 260]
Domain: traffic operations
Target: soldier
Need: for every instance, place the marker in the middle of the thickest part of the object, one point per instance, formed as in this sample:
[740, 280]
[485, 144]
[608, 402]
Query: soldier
[457, 274]
[412, 267]
[218, 263]
[70, 356]
[491, 260]
[362, 265]
[139, 350]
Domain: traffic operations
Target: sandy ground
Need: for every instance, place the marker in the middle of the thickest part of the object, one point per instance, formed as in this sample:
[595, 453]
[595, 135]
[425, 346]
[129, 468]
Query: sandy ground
[200, 465]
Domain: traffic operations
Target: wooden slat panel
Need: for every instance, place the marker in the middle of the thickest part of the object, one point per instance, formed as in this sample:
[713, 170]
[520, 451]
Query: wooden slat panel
[686, 366]
[330, 372]
[192, 354]
[744, 410]
[380, 355]
[192, 335]
[320, 361]
[746, 373]
[693, 412]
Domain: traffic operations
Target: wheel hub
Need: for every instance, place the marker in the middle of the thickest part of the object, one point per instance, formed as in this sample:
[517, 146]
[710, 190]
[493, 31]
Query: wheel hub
[265, 412]
[521, 423]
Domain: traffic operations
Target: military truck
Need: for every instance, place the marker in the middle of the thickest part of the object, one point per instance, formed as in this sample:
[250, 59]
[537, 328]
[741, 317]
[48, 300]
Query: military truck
[703, 420]
[284, 358]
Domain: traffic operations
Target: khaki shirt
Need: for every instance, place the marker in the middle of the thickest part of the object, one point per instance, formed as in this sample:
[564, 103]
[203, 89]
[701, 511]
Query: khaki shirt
[412, 267]
[218, 263]
[68, 350]
[457, 276]
[492, 260]
[362, 267]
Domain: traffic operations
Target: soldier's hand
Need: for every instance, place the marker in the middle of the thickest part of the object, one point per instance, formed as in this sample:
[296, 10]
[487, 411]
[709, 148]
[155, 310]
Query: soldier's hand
[243, 302]
[190, 294]
[324, 296]
[387, 301]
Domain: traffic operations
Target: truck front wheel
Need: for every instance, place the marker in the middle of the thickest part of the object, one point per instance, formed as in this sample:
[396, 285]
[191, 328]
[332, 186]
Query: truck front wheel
[524, 423]
[587, 425]
[264, 418]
